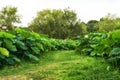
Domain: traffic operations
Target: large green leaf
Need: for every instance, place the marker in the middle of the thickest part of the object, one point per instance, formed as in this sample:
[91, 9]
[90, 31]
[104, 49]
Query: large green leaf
[31, 56]
[35, 50]
[40, 46]
[115, 52]
[30, 42]
[16, 59]
[20, 45]
[9, 45]
[4, 52]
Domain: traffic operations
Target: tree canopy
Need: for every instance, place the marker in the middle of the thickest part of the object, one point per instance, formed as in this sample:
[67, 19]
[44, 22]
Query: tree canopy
[57, 23]
[107, 23]
[9, 16]
[91, 25]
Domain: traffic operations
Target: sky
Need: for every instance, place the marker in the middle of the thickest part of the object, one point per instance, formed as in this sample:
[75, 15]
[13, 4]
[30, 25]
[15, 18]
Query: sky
[86, 9]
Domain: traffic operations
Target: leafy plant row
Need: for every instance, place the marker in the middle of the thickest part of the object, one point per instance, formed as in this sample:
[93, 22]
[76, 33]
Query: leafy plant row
[20, 45]
[102, 44]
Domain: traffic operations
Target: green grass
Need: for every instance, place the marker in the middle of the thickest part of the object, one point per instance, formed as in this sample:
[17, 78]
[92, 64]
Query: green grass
[62, 65]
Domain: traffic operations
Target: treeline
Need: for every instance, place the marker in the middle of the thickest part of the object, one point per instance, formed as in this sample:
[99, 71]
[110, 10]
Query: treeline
[59, 23]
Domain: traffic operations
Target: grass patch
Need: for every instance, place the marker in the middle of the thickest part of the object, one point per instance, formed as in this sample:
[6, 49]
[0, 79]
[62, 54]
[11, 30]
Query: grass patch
[62, 65]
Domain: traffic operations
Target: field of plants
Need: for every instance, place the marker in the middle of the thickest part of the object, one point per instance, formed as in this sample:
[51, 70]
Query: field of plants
[21, 48]
[106, 45]
[21, 45]
[57, 45]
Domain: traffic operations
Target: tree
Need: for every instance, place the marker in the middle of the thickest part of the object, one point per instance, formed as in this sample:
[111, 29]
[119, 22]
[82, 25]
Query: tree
[106, 23]
[91, 25]
[9, 16]
[56, 23]
[117, 23]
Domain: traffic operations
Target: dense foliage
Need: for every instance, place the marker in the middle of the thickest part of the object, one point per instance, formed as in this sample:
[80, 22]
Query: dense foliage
[58, 23]
[9, 16]
[91, 43]
[102, 44]
[20, 45]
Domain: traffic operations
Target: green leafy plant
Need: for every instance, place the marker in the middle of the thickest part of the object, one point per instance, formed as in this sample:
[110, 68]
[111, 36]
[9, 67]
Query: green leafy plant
[114, 57]
[91, 44]
[4, 52]
[102, 44]
[21, 45]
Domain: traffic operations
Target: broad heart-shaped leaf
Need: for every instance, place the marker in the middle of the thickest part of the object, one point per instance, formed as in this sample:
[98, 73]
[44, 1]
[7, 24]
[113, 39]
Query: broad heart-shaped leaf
[9, 45]
[20, 44]
[35, 50]
[30, 42]
[31, 56]
[4, 52]
[115, 52]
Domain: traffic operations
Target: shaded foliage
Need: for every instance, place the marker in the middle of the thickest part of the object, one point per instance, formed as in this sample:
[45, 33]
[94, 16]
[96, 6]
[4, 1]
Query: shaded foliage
[21, 45]
[91, 25]
[102, 44]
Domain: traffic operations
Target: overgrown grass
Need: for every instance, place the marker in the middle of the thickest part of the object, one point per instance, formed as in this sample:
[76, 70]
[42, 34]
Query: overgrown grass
[62, 65]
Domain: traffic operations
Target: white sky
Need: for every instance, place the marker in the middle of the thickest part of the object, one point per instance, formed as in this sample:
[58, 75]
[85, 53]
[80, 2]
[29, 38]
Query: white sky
[85, 9]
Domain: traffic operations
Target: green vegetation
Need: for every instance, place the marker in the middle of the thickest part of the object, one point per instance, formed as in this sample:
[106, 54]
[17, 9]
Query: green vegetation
[92, 44]
[59, 24]
[19, 45]
[28, 55]
[8, 17]
[56, 66]
[103, 45]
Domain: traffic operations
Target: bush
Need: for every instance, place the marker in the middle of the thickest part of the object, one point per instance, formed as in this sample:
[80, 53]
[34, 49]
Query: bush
[21, 45]
[102, 44]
